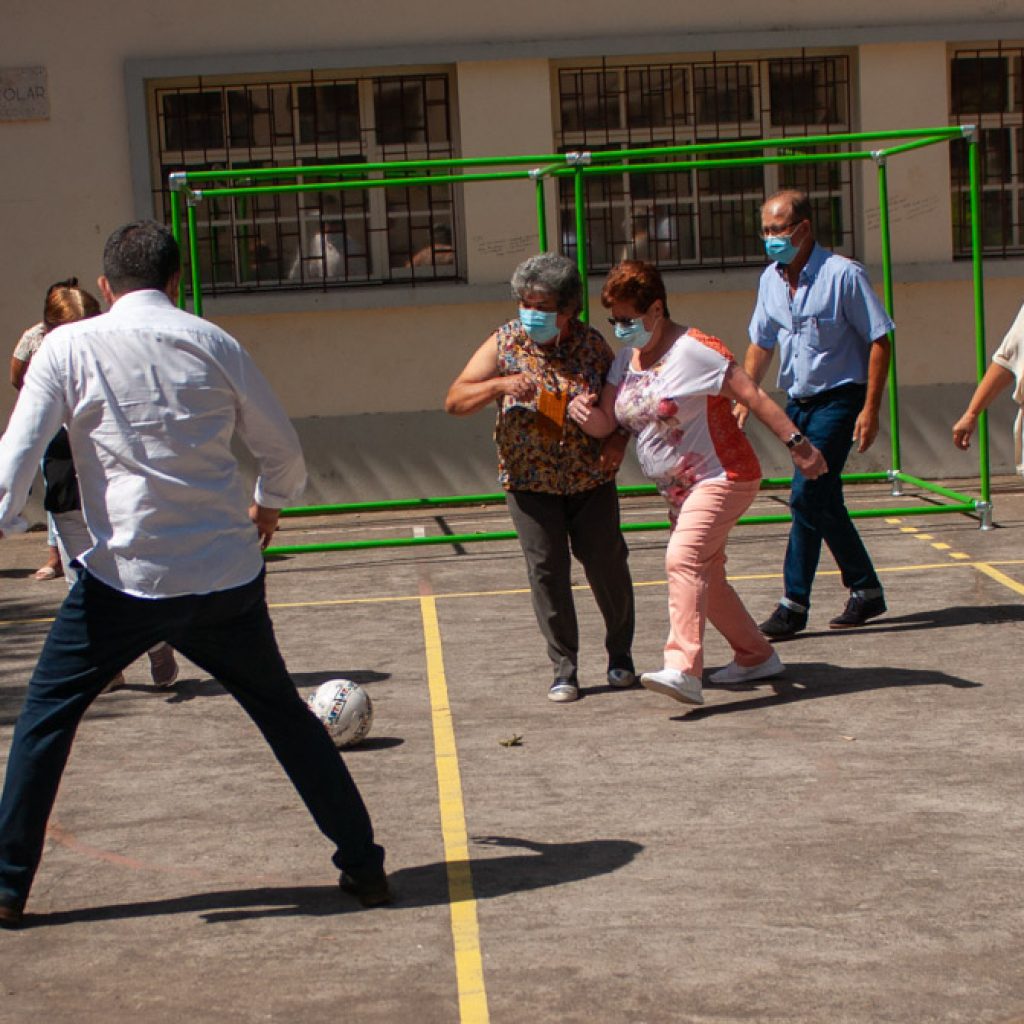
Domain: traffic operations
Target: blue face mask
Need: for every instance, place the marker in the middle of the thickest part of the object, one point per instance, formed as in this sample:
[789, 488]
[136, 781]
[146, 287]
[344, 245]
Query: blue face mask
[539, 324]
[633, 333]
[781, 248]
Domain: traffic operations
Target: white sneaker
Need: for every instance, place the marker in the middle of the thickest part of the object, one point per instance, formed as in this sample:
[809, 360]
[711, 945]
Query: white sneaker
[733, 673]
[675, 684]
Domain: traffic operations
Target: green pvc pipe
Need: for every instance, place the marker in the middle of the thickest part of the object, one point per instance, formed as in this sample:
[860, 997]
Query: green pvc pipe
[581, 241]
[981, 357]
[501, 535]
[926, 485]
[368, 183]
[175, 197]
[608, 170]
[193, 258]
[894, 405]
[929, 136]
[542, 217]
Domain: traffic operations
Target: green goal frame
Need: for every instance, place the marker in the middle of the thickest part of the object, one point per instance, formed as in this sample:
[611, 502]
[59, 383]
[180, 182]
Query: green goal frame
[188, 189]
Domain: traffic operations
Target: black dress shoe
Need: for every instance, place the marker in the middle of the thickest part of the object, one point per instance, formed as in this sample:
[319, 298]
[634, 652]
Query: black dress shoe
[858, 610]
[784, 622]
[11, 915]
[372, 891]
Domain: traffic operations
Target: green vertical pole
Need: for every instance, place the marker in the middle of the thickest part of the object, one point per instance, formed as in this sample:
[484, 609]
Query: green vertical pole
[542, 216]
[193, 261]
[979, 307]
[894, 405]
[176, 231]
[581, 240]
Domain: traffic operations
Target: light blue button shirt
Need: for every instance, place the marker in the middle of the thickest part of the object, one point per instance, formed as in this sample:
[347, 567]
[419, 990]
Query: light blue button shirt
[825, 330]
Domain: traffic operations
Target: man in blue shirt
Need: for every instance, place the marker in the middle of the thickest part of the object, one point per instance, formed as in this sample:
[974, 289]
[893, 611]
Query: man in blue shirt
[831, 330]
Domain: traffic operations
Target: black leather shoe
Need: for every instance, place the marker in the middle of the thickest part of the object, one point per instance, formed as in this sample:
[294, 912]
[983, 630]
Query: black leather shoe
[858, 610]
[372, 891]
[783, 623]
[11, 915]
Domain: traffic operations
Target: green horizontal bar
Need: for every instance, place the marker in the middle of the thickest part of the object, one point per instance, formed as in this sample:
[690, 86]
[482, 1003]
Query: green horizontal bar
[499, 535]
[606, 170]
[926, 485]
[393, 542]
[933, 135]
[906, 147]
[336, 186]
[498, 497]
[383, 165]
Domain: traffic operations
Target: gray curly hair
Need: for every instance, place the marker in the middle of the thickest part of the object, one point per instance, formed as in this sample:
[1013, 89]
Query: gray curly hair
[552, 274]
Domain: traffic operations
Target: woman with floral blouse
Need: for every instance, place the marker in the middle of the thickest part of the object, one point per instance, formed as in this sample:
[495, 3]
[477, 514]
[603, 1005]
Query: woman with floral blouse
[561, 496]
[672, 387]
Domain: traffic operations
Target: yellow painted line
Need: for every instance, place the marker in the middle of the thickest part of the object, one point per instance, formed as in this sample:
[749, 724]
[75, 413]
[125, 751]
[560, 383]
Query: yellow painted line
[908, 529]
[923, 536]
[517, 591]
[469, 965]
[894, 522]
[940, 546]
[1000, 577]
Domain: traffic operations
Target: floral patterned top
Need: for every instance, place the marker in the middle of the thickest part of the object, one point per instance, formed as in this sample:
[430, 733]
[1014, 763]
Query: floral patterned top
[686, 433]
[539, 447]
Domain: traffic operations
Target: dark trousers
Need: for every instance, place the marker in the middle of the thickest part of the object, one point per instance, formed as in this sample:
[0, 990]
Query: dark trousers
[98, 632]
[817, 506]
[550, 526]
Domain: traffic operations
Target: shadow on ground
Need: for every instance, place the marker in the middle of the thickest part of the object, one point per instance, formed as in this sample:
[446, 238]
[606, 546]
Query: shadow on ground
[813, 680]
[544, 864]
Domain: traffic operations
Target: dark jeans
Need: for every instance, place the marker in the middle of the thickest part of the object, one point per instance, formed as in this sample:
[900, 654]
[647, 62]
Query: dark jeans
[818, 509]
[98, 632]
[587, 524]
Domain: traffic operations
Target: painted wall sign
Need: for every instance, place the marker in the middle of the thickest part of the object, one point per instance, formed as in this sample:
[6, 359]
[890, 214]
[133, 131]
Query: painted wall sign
[24, 95]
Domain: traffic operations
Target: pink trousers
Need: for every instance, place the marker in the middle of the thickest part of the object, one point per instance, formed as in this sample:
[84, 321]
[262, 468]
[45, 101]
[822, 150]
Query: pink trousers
[697, 587]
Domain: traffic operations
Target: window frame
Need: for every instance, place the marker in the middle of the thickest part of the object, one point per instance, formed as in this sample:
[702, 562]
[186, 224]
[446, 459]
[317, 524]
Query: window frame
[736, 204]
[391, 227]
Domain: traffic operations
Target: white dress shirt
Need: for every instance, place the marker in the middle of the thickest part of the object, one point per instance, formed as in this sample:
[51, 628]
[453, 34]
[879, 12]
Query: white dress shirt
[152, 396]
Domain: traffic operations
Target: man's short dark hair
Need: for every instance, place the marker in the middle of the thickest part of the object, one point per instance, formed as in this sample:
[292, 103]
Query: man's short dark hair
[799, 203]
[140, 255]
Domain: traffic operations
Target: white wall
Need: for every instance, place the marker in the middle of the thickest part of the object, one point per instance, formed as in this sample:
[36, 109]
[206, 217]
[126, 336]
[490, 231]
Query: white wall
[68, 181]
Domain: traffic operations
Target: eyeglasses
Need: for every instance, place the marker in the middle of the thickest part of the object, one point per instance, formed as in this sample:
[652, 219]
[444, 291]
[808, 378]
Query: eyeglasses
[775, 232]
[624, 321]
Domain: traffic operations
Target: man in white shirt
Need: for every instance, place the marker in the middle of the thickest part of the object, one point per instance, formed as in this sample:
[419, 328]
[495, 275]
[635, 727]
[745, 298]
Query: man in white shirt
[152, 396]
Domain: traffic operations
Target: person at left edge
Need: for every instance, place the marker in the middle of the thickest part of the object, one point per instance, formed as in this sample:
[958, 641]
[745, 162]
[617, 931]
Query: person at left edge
[151, 397]
[561, 493]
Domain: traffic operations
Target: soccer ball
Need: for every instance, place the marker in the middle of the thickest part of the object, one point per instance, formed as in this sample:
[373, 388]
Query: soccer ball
[345, 709]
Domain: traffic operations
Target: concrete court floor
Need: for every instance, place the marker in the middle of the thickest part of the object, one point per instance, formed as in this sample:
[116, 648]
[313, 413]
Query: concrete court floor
[840, 845]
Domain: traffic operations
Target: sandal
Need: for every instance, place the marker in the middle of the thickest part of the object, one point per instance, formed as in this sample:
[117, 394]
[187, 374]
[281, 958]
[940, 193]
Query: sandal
[48, 572]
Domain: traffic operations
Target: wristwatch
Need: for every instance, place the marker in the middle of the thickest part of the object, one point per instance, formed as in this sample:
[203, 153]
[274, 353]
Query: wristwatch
[795, 440]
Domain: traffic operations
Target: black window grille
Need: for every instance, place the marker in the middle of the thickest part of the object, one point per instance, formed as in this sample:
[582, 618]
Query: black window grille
[311, 239]
[985, 89]
[711, 217]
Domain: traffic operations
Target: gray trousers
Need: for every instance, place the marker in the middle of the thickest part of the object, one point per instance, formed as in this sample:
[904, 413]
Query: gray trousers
[587, 524]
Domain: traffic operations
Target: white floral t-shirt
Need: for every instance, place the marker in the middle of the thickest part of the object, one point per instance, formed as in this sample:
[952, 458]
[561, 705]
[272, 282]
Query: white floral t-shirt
[685, 430]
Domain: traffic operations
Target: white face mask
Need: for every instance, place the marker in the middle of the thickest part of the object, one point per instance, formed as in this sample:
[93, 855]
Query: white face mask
[540, 324]
[633, 333]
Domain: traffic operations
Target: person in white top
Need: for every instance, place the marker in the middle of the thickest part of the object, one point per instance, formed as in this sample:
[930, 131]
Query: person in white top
[1007, 367]
[151, 397]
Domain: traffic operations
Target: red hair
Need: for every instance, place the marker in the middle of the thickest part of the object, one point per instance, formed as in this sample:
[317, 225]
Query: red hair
[635, 282]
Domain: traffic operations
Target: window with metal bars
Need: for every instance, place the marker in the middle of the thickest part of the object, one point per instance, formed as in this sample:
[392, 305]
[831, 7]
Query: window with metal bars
[708, 217]
[985, 89]
[320, 239]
